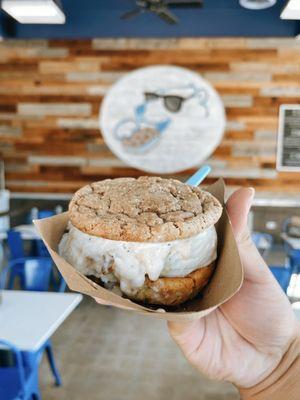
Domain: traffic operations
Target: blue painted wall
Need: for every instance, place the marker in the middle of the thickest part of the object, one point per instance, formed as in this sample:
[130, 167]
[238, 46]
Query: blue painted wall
[101, 18]
[7, 26]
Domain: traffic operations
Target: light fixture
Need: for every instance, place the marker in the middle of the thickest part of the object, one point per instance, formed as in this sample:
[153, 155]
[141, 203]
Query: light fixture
[291, 10]
[35, 11]
[257, 4]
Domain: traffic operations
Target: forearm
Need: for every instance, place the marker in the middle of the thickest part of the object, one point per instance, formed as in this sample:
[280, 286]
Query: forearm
[284, 381]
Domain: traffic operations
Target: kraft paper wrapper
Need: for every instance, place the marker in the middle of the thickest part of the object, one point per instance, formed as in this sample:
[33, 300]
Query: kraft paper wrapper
[225, 282]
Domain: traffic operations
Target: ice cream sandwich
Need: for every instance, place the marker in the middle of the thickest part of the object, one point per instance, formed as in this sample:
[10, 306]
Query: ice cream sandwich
[152, 238]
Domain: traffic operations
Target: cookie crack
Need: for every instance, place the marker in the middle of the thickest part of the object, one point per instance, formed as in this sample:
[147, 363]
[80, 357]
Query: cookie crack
[109, 203]
[86, 206]
[177, 227]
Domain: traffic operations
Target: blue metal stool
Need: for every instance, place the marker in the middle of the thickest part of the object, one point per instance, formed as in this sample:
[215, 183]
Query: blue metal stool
[17, 380]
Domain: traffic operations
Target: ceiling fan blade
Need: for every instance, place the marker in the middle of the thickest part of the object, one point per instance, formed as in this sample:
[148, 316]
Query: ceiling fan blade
[184, 4]
[131, 14]
[167, 16]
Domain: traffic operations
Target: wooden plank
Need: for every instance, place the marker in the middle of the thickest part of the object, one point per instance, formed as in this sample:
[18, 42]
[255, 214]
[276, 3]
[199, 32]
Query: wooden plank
[51, 91]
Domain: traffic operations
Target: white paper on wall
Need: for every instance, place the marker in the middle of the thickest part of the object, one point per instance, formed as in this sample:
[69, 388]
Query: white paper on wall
[162, 119]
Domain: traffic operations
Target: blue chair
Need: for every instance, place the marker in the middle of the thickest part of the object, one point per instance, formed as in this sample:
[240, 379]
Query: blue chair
[40, 248]
[282, 275]
[45, 213]
[263, 241]
[3, 278]
[292, 254]
[17, 380]
[15, 244]
[34, 273]
[60, 283]
[16, 251]
[35, 213]
[57, 281]
[37, 272]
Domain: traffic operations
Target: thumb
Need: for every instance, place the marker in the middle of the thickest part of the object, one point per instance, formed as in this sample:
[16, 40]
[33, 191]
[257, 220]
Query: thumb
[238, 206]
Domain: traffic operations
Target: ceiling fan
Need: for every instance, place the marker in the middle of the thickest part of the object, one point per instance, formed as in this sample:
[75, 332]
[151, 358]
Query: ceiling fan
[161, 8]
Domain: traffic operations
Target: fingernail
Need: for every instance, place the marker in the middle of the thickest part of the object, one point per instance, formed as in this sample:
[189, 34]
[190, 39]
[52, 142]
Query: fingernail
[252, 191]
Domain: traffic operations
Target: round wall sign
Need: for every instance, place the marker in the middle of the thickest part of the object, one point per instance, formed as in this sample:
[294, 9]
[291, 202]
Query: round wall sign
[162, 119]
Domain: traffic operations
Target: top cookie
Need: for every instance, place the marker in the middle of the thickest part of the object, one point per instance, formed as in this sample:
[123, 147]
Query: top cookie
[147, 209]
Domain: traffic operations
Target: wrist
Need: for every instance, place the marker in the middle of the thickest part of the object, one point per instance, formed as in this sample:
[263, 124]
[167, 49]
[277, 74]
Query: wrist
[283, 381]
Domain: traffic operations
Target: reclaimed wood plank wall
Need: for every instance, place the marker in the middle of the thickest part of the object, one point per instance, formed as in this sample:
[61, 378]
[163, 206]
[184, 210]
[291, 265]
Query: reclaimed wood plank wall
[51, 91]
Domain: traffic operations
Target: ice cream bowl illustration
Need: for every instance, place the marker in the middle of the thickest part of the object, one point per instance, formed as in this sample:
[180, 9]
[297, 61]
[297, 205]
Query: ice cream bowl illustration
[139, 135]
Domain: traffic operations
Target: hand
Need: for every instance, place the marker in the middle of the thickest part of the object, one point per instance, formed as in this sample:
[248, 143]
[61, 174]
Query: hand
[244, 340]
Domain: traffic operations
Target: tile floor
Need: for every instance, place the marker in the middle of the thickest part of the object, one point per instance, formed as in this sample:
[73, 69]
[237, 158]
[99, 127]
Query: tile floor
[105, 353]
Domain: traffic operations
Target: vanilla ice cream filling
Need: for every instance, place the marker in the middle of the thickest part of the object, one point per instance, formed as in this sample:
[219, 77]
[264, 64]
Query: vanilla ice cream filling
[130, 262]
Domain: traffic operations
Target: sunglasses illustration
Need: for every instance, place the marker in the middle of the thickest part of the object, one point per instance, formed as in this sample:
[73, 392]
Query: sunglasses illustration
[172, 103]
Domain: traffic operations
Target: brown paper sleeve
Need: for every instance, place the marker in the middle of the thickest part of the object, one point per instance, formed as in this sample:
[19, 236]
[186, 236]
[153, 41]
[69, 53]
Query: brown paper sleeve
[225, 282]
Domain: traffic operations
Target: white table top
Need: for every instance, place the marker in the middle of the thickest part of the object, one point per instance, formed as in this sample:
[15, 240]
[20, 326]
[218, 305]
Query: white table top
[293, 242]
[28, 232]
[28, 319]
